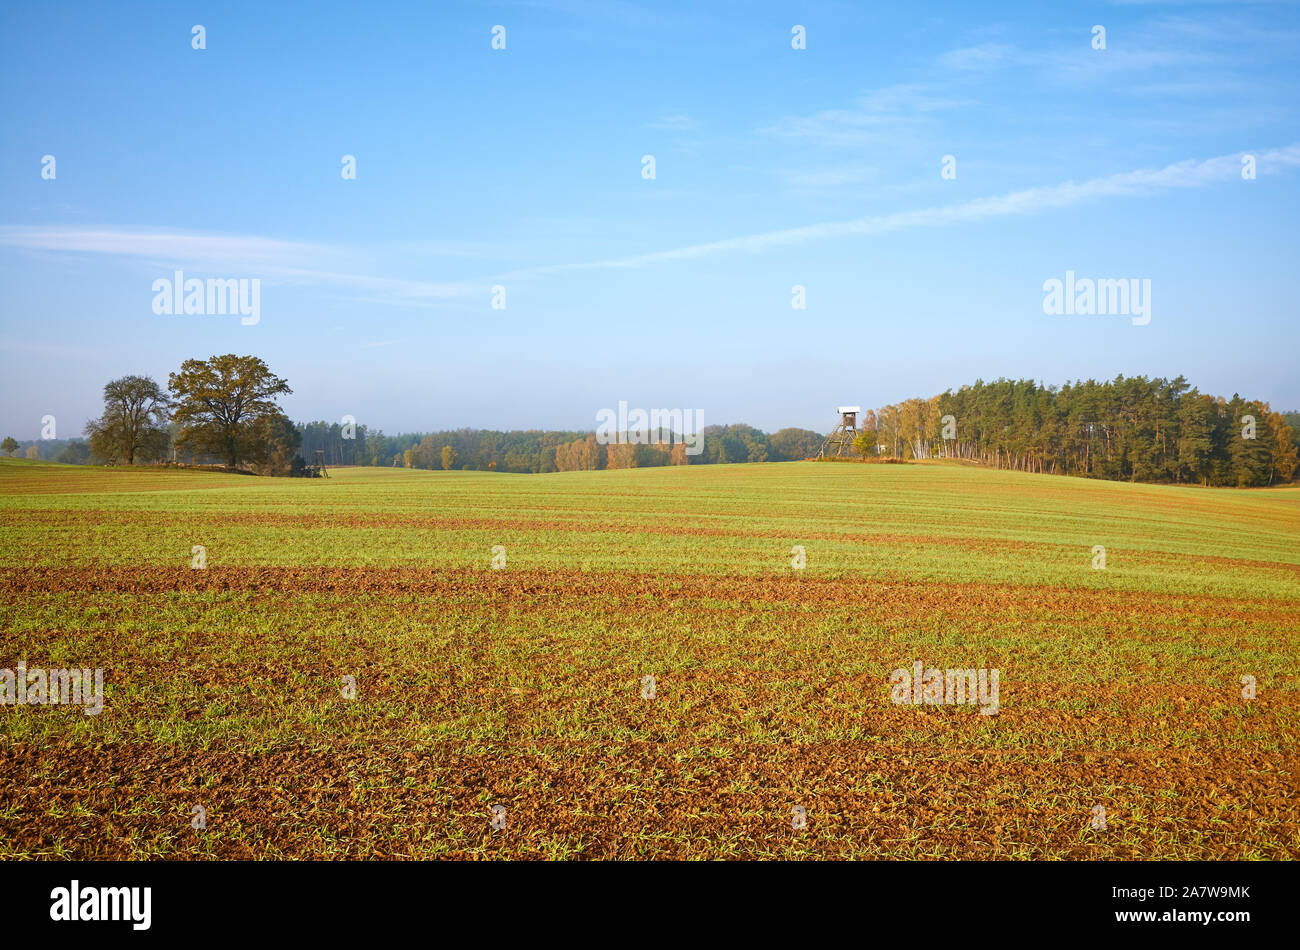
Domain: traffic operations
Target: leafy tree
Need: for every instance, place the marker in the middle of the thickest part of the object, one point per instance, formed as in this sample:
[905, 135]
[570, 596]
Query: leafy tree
[426, 453]
[1196, 439]
[621, 455]
[794, 445]
[10, 445]
[1251, 458]
[449, 458]
[33, 451]
[275, 444]
[221, 404]
[75, 453]
[733, 445]
[134, 422]
[1292, 421]
[1284, 452]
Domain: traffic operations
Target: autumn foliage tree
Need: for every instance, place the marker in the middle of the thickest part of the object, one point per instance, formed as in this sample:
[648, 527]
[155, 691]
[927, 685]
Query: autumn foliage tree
[225, 406]
[133, 426]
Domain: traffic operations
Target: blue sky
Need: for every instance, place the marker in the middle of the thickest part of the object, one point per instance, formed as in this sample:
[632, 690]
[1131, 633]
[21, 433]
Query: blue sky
[522, 168]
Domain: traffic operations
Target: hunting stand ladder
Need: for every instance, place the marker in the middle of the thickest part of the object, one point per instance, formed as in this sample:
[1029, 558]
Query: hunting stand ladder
[844, 434]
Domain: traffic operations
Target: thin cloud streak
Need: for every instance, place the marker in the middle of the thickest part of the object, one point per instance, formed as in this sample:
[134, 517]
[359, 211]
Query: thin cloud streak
[1192, 173]
[268, 258]
[285, 260]
[163, 245]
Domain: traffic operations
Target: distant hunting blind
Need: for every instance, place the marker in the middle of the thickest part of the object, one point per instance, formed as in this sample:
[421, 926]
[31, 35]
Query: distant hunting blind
[844, 433]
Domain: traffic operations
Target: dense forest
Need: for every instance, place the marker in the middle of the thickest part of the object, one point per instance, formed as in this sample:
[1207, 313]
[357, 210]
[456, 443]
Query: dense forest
[1133, 429]
[1129, 428]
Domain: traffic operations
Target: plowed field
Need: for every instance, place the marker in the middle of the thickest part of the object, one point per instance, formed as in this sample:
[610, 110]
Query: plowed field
[507, 712]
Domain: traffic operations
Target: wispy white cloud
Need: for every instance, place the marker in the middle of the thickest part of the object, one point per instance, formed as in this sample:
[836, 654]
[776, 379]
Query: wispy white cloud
[828, 177]
[1192, 173]
[1162, 43]
[163, 245]
[678, 122]
[1078, 63]
[983, 56]
[270, 259]
[889, 115]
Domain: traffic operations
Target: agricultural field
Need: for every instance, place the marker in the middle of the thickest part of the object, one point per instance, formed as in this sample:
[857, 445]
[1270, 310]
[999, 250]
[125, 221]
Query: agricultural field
[508, 710]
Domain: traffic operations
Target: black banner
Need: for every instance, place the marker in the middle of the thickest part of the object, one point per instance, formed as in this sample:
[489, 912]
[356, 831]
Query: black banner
[947, 900]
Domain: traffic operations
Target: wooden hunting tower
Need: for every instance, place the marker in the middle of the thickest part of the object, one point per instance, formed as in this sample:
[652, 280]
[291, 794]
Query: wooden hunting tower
[844, 433]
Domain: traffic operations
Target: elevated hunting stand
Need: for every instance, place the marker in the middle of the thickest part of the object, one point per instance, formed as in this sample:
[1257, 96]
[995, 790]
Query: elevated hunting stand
[844, 434]
[320, 463]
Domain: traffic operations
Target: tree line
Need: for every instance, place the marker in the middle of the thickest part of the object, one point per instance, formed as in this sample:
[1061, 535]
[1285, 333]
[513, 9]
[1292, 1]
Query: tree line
[537, 451]
[223, 411]
[1129, 428]
[477, 449]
